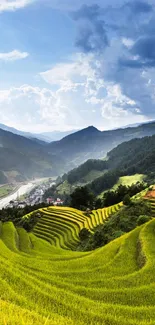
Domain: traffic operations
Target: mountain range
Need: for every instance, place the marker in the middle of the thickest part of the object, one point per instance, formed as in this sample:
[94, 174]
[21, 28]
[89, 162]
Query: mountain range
[90, 143]
[135, 157]
[23, 158]
[44, 136]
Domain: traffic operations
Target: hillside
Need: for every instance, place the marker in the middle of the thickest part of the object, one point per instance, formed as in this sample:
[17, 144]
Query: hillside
[90, 143]
[22, 158]
[136, 156]
[44, 282]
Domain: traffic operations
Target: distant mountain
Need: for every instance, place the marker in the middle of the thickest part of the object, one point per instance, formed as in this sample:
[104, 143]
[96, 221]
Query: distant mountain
[55, 135]
[44, 136]
[22, 158]
[90, 143]
[15, 131]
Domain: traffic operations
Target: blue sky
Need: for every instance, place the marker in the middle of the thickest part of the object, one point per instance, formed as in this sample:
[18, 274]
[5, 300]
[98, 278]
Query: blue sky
[66, 65]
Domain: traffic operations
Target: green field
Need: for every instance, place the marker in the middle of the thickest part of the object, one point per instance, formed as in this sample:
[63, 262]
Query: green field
[43, 281]
[64, 189]
[129, 180]
[5, 190]
[67, 188]
[126, 180]
[93, 174]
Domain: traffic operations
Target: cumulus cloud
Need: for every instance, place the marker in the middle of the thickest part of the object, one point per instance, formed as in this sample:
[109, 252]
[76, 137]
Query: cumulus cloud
[143, 52]
[7, 5]
[100, 83]
[92, 34]
[70, 73]
[85, 92]
[138, 7]
[13, 55]
[41, 105]
[129, 28]
[79, 97]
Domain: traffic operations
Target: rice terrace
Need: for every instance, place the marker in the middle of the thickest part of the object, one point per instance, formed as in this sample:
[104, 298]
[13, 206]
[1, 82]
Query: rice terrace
[44, 281]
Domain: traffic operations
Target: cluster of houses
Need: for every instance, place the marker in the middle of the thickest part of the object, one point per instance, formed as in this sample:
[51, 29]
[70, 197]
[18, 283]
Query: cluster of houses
[54, 202]
[36, 197]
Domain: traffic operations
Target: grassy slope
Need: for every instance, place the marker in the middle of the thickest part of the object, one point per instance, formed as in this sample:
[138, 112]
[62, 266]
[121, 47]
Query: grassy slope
[93, 175]
[66, 188]
[42, 283]
[5, 190]
[127, 180]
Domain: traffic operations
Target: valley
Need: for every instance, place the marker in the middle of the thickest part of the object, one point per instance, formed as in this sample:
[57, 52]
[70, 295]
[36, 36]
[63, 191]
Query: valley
[23, 158]
[22, 192]
[64, 263]
[77, 162]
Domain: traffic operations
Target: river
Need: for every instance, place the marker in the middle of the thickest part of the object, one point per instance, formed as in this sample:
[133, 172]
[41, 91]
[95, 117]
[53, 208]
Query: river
[21, 191]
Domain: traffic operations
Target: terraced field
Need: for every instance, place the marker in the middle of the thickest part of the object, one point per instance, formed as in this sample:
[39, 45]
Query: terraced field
[152, 203]
[61, 226]
[43, 284]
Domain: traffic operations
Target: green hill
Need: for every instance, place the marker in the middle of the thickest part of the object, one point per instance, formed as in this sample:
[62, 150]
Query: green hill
[130, 158]
[90, 143]
[42, 281]
[22, 158]
[27, 158]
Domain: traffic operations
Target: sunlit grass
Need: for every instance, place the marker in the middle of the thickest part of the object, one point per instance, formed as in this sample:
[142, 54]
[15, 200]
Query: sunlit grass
[41, 283]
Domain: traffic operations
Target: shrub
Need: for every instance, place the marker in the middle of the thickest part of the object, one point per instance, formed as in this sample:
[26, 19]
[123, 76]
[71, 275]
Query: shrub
[127, 200]
[143, 219]
[84, 234]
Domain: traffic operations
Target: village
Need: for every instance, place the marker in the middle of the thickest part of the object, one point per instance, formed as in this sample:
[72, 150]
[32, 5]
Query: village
[36, 196]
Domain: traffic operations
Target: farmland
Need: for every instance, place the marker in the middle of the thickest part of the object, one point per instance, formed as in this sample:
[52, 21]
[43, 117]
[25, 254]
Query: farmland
[61, 226]
[44, 281]
[127, 181]
[6, 190]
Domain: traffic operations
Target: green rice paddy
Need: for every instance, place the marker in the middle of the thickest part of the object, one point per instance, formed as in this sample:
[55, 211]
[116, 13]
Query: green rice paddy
[44, 281]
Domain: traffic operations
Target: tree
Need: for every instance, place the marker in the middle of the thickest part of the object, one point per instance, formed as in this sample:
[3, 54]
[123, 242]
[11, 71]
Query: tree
[127, 200]
[84, 234]
[82, 198]
[98, 203]
[143, 219]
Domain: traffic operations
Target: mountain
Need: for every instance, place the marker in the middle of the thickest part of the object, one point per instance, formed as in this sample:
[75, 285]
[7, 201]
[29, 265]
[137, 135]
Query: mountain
[86, 172]
[55, 135]
[15, 131]
[44, 137]
[22, 158]
[128, 158]
[136, 156]
[90, 143]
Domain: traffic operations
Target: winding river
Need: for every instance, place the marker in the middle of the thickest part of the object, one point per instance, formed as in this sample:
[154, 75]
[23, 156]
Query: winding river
[22, 190]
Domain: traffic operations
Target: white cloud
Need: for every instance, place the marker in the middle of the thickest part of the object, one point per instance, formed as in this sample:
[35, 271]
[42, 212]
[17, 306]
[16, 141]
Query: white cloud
[74, 93]
[71, 73]
[7, 5]
[13, 56]
[35, 109]
[128, 42]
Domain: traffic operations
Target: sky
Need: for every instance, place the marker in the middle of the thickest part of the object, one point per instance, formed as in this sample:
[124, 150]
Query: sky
[68, 64]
